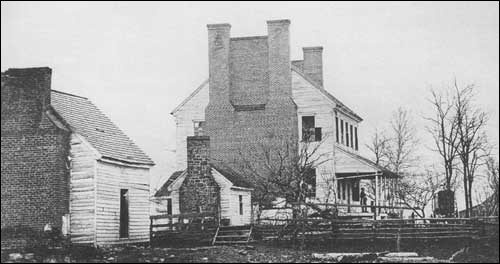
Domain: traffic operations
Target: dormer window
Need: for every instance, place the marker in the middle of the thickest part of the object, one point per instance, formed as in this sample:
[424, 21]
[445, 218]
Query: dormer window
[310, 133]
[198, 128]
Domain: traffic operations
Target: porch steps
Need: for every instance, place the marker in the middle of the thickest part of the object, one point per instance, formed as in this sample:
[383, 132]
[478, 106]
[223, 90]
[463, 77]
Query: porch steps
[227, 235]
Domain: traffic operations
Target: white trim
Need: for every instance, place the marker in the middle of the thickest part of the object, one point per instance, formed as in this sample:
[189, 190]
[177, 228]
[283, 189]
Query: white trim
[241, 188]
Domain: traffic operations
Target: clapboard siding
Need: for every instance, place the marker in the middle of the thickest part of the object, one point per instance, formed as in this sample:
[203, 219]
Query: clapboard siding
[82, 194]
[194, 109]
[110, 179]
[230, 201]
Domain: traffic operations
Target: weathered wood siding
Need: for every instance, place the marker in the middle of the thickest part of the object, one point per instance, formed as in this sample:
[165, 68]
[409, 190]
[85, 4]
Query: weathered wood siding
[311, 102]
[193, 110]
[110, 179]
[230, 201]
[82, 191]
[161, 207]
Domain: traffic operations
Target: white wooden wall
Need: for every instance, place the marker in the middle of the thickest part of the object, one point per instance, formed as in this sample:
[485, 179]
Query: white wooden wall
[230, 206]
[82, 191]
[194, 109]
[110, 179]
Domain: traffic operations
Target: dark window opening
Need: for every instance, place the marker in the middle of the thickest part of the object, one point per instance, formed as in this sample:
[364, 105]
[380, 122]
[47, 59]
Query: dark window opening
[356, 138]
[198, 128]
[355, 191]
[346, 134]
[241, 204]
[352, 138]
[337, 129]
[341, 131]
[338, 190]
[309, 131]
[343, 190]
[124, 215]
[310, 181]
[169, 206]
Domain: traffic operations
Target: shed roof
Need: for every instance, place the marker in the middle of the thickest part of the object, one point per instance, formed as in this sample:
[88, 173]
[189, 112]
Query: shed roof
[84, 118]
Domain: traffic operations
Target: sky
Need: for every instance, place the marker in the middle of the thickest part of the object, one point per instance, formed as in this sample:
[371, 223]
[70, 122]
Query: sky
[138, 61]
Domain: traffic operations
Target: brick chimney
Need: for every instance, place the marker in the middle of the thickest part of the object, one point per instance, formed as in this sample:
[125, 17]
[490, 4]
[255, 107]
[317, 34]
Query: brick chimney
[25, 96]
[313, 63]
[199, 192]
[218, 61]
[280, 76]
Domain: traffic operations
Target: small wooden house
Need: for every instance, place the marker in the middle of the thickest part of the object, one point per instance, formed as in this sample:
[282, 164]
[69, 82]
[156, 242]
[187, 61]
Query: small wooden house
[206, 186]
[109, 177]
[67, 165]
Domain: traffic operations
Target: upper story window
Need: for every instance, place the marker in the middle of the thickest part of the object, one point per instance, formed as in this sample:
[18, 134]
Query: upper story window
[346, 134]
[198, 128]
[350, 137]
[309, 131]
[341, 131]
[355, 138]
[337, 129]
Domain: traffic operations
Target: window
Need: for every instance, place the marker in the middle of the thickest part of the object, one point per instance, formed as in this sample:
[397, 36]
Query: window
[169, 206]
[310, 181]
[309, 131]
[198, 128]
[346, 134]
[337, 129]
[341, 131]
[339, 194]
[343, 190]
[356, 138]
[355, 191]
[124, 217]
[241, 204]
[352, 145]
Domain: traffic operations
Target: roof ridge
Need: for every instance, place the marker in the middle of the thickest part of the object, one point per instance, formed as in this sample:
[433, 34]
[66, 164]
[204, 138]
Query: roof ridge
[52, 90]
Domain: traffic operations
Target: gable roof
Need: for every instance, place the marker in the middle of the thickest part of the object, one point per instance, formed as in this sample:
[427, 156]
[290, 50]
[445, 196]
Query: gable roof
[342, 107]
[163, 191]
[235, 178]
[339, 104]
[84, 118]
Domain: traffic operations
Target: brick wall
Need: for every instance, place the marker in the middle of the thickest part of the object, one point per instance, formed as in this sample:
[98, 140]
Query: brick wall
[237, 132]
[35, 177]
[199, 192]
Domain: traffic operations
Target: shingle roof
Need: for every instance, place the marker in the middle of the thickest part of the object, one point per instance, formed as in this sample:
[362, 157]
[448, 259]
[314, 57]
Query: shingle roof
[86, 119]
[163, 191]
[237, 179]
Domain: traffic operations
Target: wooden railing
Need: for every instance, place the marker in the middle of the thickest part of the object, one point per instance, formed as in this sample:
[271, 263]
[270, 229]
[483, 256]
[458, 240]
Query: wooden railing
[371, 230]
[192, 228]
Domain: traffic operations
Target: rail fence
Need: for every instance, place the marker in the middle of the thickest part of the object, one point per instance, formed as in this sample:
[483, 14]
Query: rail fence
[183, 229]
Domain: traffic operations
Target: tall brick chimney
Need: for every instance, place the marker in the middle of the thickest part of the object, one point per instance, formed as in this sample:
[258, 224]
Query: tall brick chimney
[313, 63]
[199, 192]
[218, 61]
[25, 96]
[280, 76]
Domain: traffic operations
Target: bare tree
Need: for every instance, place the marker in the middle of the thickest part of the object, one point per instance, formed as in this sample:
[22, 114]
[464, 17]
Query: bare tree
[473, 148]
[419, 190]
[403, 142]
[378, 146]
[444, 130]
[493, 172]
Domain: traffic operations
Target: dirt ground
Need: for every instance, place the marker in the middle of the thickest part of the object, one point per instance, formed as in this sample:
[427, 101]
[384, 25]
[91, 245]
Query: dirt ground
[259, 253]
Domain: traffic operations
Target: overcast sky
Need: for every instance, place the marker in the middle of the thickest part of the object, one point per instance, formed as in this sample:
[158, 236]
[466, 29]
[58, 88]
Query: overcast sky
[138, 61]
